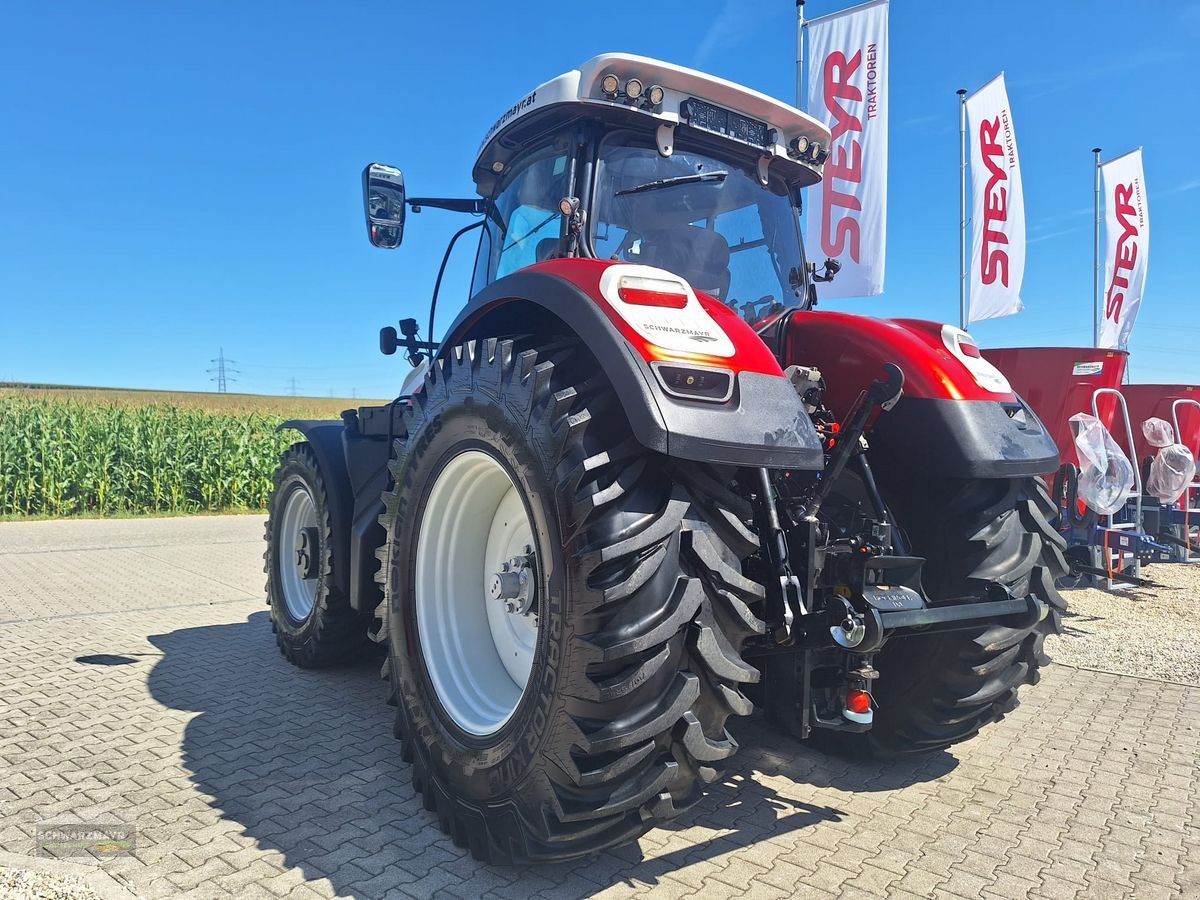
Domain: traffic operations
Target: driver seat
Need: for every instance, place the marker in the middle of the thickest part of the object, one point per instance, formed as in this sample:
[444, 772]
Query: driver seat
[696, 254]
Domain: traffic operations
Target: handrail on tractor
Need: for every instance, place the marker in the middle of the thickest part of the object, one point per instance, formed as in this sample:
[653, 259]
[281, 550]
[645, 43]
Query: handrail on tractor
[1136, 493]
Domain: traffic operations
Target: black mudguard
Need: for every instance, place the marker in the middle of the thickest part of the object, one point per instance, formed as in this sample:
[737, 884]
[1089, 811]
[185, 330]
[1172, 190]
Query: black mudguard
[354, 467]
[762, 424]
[964, 439]
[325, 438]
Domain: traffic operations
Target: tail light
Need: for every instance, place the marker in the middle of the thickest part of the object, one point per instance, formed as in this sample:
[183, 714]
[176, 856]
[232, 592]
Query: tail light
[963, 347]
[666, 315]
[641, 291]
[858, 706]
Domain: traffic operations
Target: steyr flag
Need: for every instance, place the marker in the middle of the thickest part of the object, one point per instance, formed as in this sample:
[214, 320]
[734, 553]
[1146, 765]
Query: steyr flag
[1127, 230]
[997, 262]
[848, 91]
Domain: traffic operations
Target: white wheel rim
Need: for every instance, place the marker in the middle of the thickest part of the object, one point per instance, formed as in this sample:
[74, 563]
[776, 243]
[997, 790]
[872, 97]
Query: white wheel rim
[477, 654]
[299, 593]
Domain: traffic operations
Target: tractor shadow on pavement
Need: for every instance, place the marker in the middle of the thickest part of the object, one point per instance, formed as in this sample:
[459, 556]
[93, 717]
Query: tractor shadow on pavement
[304, 762]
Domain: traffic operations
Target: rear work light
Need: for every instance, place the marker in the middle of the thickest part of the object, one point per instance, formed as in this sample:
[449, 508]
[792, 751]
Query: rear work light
[692, 382]
[642, 291]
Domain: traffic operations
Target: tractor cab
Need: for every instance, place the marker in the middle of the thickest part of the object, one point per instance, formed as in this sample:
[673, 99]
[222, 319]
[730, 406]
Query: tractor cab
[640, 161]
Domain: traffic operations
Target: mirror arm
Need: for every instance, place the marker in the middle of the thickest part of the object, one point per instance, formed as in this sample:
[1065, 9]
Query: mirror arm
[475, 207]
[437, 285]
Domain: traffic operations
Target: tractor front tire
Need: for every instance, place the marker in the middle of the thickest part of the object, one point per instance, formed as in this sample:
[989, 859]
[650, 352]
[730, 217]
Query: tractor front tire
[940, 689]
[312, 619]
[597, 709]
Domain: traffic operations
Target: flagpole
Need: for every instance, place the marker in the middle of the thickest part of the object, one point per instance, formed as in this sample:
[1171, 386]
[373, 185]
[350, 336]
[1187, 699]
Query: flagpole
[1096, 255]
[962, 208]
[799, 54]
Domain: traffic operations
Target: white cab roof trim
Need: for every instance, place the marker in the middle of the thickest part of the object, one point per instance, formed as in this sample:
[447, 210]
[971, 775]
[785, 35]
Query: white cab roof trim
[582, 85]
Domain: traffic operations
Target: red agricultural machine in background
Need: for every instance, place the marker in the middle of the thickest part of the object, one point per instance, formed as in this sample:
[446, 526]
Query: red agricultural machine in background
[1178, 524]
[1178, 404]
[1061, 383]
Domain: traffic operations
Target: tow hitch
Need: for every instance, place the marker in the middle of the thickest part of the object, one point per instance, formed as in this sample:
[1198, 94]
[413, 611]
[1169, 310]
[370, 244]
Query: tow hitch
[838, 588]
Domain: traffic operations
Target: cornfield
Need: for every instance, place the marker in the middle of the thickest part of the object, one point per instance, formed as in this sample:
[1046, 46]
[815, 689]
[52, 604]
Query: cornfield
[62, 456]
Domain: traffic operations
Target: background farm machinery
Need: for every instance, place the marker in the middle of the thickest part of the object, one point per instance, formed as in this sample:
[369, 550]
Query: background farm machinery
[1110, 545]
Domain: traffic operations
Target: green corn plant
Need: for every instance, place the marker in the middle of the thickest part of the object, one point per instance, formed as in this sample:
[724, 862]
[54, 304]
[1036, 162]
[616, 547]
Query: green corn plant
[67, 455]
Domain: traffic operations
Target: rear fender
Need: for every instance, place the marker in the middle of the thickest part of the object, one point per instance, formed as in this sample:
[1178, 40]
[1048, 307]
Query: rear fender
[761, 423]
[354, 467]
[325, 438]
[958, 418]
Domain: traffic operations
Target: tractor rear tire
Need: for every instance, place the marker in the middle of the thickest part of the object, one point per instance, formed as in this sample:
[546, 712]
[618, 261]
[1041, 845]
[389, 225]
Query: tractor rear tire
[312, 619]
[639, 609]
[937, 690]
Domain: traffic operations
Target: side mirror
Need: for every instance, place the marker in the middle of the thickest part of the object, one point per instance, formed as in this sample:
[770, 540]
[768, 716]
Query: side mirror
[383, 202]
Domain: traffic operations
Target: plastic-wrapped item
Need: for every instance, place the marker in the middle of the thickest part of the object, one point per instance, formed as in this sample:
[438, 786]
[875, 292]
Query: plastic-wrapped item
[1171, 471]
[1158, 432]
[1105, 474]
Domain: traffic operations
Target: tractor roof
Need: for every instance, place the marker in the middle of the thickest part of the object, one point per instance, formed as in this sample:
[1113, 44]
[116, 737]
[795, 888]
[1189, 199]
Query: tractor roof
[690, 98]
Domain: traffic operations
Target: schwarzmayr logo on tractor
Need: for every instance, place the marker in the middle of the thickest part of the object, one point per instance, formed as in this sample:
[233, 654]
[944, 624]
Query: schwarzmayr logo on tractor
[516, 109]
[695, 335]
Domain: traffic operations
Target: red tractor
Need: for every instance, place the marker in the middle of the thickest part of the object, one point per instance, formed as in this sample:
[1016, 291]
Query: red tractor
[640, 483]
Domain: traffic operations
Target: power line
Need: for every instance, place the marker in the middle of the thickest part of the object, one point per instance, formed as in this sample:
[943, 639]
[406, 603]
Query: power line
[222, 373]
[382, 365]
[292, 386]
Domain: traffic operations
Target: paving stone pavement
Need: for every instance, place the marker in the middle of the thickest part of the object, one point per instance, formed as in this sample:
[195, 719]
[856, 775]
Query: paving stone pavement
[247, 777]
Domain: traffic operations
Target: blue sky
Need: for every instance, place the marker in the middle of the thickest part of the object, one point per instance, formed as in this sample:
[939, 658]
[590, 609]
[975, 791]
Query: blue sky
[180, 177]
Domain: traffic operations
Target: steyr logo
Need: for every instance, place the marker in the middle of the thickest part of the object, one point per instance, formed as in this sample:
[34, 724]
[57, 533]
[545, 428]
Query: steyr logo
[845, 162]
[993, 262]
[1127, 250]
[846, 82]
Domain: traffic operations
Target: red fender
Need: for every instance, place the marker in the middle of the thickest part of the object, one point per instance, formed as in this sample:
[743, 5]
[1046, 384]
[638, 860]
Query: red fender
[850, 350]
[958, 416]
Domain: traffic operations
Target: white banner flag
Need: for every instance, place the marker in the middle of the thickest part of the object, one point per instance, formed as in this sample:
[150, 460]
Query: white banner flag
[997, 262]
[848, 91]
[1127, 224]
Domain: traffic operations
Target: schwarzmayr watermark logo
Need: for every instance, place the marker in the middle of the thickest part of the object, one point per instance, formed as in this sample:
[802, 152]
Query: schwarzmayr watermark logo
[102, 839]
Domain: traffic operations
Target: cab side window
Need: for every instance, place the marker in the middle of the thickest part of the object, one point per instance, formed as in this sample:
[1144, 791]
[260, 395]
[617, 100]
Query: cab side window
[526, 226]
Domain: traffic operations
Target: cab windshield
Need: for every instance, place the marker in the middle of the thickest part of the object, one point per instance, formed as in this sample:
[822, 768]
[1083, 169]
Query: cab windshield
[707, 220]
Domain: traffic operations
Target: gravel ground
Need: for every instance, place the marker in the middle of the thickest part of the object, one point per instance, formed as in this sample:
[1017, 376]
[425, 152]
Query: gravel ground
[1148, 632]
[22, 884]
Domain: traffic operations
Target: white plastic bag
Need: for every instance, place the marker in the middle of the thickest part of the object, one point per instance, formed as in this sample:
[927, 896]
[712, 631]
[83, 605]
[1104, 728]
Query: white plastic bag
[1171, 471]
[1105, 475]
[1158, 432]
